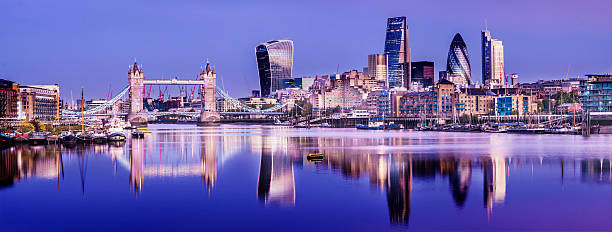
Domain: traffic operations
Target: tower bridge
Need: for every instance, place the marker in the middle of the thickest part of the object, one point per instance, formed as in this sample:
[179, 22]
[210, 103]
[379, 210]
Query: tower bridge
[207, 114]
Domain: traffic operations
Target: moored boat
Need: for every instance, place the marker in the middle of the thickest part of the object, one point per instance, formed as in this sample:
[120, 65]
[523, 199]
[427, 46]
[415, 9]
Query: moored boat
[116, 137]
[99, 138]
[84, 138]
[6, 139]
[69, 139]
[116, 125]
[53, 139]
[21, 138]
[393, 126]
[371, 126]
[38, 139]
[137, 134]
[144, 130]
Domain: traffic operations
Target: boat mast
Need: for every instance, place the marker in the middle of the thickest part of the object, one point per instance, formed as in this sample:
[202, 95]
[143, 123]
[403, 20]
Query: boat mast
[82, 113]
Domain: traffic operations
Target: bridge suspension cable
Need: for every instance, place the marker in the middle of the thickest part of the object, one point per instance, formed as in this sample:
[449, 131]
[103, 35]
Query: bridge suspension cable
[99, 108]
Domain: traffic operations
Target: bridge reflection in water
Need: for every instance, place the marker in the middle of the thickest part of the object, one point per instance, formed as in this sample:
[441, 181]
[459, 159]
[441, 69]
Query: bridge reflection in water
[176, 153]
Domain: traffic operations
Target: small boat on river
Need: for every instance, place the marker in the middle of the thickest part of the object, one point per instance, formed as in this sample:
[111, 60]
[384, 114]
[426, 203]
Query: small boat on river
[6, 139]
[315, 157]
[371, 126]
[116, 137]
[38, 139]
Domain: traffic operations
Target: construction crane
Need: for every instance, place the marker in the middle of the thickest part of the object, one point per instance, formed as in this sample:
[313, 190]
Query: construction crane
[160, 92]
[149, 92]
[109, 94]
[193, 88]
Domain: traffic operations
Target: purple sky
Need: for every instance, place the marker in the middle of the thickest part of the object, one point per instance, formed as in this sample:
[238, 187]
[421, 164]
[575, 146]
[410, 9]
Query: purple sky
[78, 43]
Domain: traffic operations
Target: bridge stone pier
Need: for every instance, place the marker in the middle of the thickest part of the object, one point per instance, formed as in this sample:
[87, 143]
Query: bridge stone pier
[208, 95]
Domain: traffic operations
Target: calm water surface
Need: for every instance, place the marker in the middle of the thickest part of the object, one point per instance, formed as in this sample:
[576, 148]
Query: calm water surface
[256, 178]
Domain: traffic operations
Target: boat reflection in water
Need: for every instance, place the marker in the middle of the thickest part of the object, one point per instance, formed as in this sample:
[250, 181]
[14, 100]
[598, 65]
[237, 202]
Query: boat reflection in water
[277, 155]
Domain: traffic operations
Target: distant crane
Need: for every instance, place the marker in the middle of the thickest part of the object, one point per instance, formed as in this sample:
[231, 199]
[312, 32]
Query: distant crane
[149, 92]
[110, 91]
[160, 92]
[193, 88]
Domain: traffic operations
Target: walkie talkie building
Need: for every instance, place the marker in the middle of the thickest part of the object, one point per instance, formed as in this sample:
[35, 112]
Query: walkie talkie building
[275, 63]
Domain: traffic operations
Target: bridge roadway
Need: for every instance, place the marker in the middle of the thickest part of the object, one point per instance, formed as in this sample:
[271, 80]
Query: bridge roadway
[189, 114]
[174, 81]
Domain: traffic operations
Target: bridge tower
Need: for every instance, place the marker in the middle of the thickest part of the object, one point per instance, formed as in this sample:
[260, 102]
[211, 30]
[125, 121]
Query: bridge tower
[208, 95]
[136, 116]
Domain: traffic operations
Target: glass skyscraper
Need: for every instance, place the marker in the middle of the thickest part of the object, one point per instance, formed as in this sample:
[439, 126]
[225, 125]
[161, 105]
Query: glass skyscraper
[422, 74]
[458, 68]
[275, 63]
[492, 60]
[398, 53]
[486, 56]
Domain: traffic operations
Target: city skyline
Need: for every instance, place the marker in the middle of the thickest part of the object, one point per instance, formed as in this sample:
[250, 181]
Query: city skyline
[56, 48]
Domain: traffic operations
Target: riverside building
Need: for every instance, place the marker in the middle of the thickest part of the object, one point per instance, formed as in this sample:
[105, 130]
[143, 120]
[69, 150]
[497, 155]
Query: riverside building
[39, 102]
[9, 99]
[435, 103]
[596, 93]
[474, 101]
[519, 105]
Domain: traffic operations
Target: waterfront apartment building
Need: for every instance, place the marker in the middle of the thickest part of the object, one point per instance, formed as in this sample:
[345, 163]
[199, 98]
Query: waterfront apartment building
[435, 103]
[422, 75]
[492, 60]
[596, 93]
[9, 99]
[458, 69]
[519, 105]
[377, 67]
[474, 101]
[397, 53]
[274, 63]
[39, 102]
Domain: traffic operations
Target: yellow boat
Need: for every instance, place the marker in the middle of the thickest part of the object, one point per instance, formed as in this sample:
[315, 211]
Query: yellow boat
[144, 130]
[315, 156]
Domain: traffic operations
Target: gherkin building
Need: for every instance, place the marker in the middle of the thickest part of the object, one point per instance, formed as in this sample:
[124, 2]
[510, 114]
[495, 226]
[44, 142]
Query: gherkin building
[458, 63]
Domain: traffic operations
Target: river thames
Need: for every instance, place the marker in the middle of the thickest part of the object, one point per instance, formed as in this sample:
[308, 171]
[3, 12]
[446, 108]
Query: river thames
[257, 178]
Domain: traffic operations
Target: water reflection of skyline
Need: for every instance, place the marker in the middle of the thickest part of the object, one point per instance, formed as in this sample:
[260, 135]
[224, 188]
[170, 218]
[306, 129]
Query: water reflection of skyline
[202, 152]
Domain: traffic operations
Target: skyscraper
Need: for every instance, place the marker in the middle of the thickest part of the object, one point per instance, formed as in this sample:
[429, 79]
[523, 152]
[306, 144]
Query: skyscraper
[486, 56]
[492, 60]
[377, 66]
[458, 68]
[422, 74]
[398, 53]
[275, 63]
